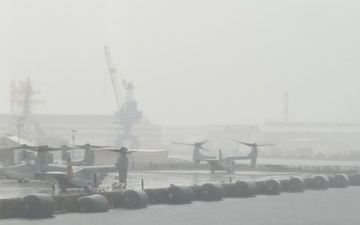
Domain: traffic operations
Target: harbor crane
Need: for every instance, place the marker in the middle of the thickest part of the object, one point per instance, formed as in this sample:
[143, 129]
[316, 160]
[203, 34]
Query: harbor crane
[127, 112]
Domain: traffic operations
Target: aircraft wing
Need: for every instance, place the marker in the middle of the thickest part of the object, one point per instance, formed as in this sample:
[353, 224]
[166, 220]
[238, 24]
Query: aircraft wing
[205, 158]
[61, 178]
[233, 158]
[99, 169]
[209, 160]
[53, 173]
[46, 175]
[130, 150]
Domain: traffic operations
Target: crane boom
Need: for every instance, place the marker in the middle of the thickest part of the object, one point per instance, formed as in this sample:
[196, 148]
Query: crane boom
[118, 94]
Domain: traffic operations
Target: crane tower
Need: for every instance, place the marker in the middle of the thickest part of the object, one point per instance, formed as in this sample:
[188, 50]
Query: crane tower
[22, 101]
[127, 112]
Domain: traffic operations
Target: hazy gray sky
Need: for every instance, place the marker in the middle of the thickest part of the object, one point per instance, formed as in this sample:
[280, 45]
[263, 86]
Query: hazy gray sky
[192, 61]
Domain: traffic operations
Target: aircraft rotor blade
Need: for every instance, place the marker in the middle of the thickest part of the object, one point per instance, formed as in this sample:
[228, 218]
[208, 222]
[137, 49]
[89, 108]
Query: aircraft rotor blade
[203, 142]
[205, 149]
[90, 146]
[47, 149]
[37, 148]
[107, 149]
[180, 143]
[244, 143]
[114, 150]
[129, 152]
[20, 147]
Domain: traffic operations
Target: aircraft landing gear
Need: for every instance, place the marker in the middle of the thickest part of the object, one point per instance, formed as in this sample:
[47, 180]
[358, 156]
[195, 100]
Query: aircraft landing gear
[63, 189]
[20, 181]
[212, 171]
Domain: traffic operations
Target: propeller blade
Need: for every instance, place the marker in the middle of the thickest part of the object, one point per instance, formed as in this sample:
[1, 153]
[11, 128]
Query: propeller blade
[203, 142]
[129, 152]
[90, 146]
[107, 149]
[46, 149]
[180, 143]
[115, 150]
[19, 147]
[112, 150]
[244, 143]
[205, 149]
[36, 148]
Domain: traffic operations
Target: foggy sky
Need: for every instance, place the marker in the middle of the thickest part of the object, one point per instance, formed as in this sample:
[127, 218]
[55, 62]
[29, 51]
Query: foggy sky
[192, 61]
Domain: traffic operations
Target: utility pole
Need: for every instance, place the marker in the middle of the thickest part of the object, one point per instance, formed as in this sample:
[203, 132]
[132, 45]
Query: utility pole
[19, 124]
[73, 139]
[117, 123]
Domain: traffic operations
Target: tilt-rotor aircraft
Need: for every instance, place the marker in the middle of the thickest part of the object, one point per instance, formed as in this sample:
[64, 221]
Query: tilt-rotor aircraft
[80, 176]
[42, 166]
[31, 164]
[223, 164]
[86, 177]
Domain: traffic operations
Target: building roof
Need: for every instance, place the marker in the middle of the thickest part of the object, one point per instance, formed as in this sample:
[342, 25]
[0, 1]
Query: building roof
[12, 141]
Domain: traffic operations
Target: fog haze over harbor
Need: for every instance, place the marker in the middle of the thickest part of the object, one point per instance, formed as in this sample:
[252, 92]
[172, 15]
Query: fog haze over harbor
[192, 62]
[233, 101]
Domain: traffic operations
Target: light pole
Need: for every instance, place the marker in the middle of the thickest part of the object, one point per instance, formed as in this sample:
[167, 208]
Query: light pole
[73, 139]
[117, 123]
[19, 124]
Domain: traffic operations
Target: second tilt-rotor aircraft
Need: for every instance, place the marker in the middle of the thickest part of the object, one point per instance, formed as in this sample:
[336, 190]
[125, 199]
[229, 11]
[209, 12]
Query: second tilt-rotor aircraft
[222, 164]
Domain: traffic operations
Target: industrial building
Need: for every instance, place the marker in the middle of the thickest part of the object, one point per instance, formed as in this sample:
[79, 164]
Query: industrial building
[311, 138]
[55, 130]
[294, 138]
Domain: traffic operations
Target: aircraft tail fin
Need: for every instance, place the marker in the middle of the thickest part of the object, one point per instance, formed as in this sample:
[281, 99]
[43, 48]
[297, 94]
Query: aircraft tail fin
[220, 155]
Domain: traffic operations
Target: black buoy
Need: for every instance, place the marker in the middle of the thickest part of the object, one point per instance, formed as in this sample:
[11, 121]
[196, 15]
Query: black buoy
[272, 187]
[37, 206]
[211, 192]
[179, 194]
[243, 189]
[355, 179]
[157, 195]
[295, 184]
[308, 182]
[93, 203]
[339, 181]
[196, 192]
[320, 182]
[134, 199]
